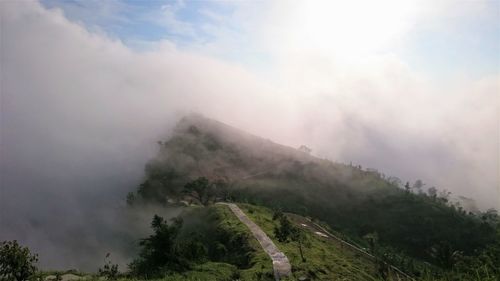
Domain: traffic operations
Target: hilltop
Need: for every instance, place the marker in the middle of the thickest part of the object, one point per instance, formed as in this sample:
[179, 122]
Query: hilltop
[418, 230]
[251, 209]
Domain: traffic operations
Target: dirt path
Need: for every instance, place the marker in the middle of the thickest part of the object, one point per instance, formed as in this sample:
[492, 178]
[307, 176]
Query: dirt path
[281, 265]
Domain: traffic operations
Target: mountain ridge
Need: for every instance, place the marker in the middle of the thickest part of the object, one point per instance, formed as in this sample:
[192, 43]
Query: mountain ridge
[406, 221]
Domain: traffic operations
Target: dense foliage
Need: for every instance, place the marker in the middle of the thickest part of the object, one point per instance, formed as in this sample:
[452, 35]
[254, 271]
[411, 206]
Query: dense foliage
[197, 237]
[417, 227]
[16, 262]
[158, 251]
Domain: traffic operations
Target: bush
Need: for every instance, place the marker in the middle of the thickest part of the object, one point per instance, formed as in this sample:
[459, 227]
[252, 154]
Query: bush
[109, 270]
[16, 262]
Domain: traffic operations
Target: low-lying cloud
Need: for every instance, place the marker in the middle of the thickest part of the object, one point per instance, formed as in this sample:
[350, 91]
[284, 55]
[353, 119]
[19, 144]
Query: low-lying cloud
[80, 115]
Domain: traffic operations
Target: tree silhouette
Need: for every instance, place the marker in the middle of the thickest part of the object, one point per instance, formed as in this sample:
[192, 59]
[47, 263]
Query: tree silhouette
[200, 189]
[16, 262]
[158, 251]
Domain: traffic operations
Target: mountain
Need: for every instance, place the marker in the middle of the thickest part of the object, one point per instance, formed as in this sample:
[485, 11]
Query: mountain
[363, 205]
[205, 147]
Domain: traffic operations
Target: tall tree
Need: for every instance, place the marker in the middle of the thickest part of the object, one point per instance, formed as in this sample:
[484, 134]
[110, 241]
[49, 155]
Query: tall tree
[205, 191]
[200, 189]
[158, 252]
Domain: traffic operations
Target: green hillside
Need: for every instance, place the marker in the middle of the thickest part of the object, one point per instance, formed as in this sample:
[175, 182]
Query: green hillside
[321, 220]
[323, 260]
[418, 230]
[215, 246]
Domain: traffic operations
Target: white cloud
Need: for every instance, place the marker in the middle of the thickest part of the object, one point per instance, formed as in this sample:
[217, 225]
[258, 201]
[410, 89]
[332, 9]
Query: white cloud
[80, 115]
[80, 112]
[379, 92]
[169, 18]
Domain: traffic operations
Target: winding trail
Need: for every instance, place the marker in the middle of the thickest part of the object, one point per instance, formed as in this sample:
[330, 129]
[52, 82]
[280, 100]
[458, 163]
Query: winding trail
[281, 265]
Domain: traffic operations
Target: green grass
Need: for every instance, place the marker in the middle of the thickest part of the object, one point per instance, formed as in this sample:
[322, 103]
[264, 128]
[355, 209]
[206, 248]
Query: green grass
[258, 269]
[324, 260]
[261, 265]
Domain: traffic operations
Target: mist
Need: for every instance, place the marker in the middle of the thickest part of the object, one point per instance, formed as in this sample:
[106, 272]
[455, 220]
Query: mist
[81, 113]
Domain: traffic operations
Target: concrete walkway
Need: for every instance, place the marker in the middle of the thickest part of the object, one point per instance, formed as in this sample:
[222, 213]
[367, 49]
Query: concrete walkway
[281, 265]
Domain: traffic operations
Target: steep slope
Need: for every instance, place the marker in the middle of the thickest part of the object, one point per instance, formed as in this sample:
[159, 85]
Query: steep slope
[205, 147]
[323, 259]
[217, 246]
[281, 265]
[352, 200]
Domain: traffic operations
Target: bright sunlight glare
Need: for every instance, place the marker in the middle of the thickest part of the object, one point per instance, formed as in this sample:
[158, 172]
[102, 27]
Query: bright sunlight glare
[349, 27]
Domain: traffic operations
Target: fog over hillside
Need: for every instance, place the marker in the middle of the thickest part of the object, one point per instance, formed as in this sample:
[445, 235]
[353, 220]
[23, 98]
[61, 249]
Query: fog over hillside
[81, 112]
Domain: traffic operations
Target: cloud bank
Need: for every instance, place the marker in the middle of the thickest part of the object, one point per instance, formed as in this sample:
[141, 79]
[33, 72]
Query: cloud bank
[81, 112]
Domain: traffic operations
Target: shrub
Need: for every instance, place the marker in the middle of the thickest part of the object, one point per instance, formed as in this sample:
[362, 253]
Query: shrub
[16, 262]
[109, 270]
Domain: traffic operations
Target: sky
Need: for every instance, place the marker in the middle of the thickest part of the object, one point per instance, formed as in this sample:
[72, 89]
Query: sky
[410, 88]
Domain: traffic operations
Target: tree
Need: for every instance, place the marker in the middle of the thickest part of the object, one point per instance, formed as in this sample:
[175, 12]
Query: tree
[284, 231]
[418, 186]
[395, 181]
[158, 252]
[490, 216]
[221, 190]
[407, 187]
[16, 262]
[201, 189]
[277, 214]
[432, 191]
[300, 238]
[287, 232]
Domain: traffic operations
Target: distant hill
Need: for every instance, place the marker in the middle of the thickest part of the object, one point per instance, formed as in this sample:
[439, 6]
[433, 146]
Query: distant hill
[355, 201]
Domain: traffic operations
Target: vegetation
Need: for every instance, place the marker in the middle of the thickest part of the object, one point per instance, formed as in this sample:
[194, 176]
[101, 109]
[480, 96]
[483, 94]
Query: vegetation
[419, 230]
[416, 228]
[204, 191]
[158, 252]
[286, 232]
[16, 262]
[109, 270]
[321, 259]
[198, 242]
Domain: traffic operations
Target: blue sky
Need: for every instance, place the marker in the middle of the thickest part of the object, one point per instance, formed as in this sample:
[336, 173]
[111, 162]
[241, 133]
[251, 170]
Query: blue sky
[143, 20]
[465, 41]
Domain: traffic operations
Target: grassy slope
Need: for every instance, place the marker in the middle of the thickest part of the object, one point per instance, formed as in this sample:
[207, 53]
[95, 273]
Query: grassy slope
[351, 200]
[260, 264]
[324, 260]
